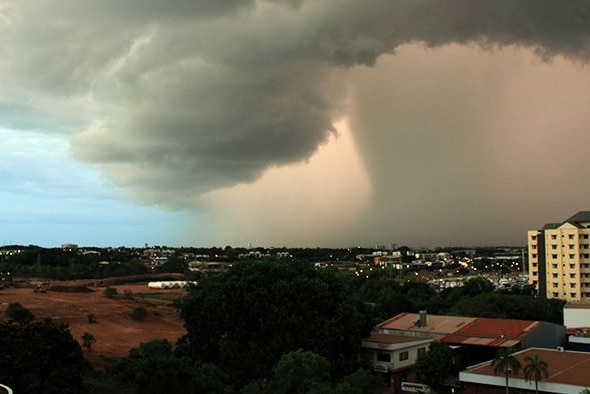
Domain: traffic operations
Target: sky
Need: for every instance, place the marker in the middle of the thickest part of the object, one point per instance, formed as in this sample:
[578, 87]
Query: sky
[297, 123]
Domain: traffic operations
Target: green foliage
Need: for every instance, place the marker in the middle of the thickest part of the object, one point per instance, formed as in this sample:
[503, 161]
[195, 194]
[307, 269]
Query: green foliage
[476, 286]
[505, 362]
[509, 306]
[18, 313]
[87, 340]
[139, 313]
[91, 318]
[154, 368]
[359, 382]
[128, 294]
[173, 264]
[535, 369]
[245, 319]
[110, 292]
[437, 365]
[40, 357]
[299, 371]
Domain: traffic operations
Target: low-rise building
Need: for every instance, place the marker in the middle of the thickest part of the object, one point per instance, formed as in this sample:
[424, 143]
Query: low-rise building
[393, 356]
[567, 374]
[475, 338]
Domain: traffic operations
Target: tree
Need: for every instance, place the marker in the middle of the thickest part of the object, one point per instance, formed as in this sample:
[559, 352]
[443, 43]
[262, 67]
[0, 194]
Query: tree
[173, 264]
[110, 292]
[506, 363]
[154, 368]
[297, 372]
[245, 319]
[138, 313]
[40, 357]
[18, 313]
[91, 318]
[535, 369]
[128, 293]
[87, 340]
[476, 286]
[437, 365]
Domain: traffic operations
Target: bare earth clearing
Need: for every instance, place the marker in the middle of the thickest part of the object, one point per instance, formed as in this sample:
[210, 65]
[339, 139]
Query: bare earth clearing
[115, 331]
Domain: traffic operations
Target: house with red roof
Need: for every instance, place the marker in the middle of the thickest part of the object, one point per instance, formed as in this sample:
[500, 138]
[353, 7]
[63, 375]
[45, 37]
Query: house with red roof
[475, 338]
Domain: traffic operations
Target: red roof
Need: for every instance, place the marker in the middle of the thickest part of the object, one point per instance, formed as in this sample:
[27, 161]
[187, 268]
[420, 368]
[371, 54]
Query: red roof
[466, 330]
[565, 367]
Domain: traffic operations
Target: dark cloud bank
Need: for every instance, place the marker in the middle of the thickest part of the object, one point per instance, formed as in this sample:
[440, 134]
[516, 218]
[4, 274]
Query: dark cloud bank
[174, 99]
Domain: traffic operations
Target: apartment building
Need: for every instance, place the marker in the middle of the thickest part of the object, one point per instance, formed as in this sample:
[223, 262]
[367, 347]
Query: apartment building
[559, 258]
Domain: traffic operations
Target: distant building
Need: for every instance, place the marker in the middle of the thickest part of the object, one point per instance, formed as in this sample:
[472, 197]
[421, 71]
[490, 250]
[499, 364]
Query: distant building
[559, 258]
[69, 247]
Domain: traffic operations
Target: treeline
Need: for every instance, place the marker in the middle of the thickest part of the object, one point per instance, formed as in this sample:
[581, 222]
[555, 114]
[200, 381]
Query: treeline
[477, 298]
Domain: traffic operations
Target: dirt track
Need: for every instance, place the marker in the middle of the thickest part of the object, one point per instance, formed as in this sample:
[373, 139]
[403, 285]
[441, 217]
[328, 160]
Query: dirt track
[115, 331]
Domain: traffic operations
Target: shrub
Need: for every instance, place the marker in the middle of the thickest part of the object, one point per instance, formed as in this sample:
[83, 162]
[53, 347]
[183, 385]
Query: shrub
[110, 292]
[139, 313]
[87, 340]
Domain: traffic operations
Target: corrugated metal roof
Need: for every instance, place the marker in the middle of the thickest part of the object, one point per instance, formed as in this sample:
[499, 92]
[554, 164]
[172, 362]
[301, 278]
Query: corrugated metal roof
[464, 330]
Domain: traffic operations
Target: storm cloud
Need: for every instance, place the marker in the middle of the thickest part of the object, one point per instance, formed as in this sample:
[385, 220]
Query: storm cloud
[176, 99]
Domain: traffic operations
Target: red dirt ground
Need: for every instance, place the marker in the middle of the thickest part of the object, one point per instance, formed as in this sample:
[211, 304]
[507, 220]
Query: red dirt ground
[115, 331]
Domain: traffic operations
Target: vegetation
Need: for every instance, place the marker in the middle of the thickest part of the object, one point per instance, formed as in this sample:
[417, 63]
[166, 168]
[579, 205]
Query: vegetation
[40, 356]
[506, 363]
[437, 365]
[110, 292]
[139, 313]
[88, 340]
[535, 369]
[128, 293]
[18, 313]
[91, 318]
[269, 325]
[246, 319]
[154, 368]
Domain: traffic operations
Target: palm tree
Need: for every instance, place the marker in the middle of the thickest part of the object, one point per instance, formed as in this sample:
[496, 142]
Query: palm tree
[536, 369]
[506, 363]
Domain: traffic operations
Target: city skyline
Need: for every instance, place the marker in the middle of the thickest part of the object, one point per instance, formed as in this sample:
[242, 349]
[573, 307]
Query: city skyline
[295, 123]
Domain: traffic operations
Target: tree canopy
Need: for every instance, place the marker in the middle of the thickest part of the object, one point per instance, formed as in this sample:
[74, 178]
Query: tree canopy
[245, 319]
[437, 365]
[40, 356]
